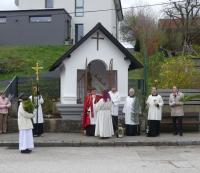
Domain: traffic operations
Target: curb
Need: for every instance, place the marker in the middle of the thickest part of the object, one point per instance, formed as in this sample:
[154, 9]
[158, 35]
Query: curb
[103, 144]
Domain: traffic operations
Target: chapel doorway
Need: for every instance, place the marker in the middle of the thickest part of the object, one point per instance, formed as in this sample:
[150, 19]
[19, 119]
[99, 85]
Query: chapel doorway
[96, 74]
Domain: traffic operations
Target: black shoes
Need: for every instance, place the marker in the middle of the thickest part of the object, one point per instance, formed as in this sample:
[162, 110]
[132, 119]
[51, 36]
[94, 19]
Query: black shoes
[27, 151]
[180, 134]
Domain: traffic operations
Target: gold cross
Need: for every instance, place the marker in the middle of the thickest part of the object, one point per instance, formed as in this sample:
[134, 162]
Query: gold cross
[37, 68]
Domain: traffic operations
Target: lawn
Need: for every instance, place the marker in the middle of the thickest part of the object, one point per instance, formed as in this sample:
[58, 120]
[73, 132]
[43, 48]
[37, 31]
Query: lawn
[18, 60]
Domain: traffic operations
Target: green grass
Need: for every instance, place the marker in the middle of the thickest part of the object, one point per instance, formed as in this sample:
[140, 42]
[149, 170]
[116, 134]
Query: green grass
[18, 60]
[138, 73]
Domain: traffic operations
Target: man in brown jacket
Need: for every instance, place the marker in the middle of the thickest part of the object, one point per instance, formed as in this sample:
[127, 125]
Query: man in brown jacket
[177, 112]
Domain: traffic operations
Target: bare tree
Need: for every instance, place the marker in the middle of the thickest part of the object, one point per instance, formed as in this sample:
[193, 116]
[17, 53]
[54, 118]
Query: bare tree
[185, 16]
[141, 25]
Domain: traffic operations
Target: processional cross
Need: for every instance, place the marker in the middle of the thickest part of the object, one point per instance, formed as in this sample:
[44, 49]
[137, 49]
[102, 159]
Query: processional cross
[98, 38]
[37, 68]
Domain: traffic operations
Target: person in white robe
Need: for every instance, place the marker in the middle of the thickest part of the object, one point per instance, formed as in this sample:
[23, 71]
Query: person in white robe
[38, 120]
[154, 104]
[104, 126]
[25, 126]
[115, 98]
[132, 110]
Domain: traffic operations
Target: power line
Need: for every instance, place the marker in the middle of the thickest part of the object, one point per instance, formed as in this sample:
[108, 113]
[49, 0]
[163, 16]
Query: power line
[133, 7]
[102, 10]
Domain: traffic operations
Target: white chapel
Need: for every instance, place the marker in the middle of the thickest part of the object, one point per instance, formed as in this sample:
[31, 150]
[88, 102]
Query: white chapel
[98, 60]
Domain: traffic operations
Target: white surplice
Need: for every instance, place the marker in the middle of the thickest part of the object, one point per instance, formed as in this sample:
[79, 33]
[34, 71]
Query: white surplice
[26, 139]
[104, 125]
[115, 98]
[94, 117]
[154, 112]
[127, 109]
[40, 118]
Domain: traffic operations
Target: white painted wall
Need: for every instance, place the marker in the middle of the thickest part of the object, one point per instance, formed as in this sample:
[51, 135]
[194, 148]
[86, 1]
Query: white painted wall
[88, 50]
[108, 18]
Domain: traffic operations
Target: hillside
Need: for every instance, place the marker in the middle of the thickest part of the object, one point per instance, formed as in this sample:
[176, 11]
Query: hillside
[18, 60]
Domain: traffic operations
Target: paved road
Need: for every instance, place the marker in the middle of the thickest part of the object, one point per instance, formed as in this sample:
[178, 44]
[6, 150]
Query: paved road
[102, 160]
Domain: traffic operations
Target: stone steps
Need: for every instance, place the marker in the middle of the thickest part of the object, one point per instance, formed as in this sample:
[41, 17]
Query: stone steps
[70, 112]
[74, 111]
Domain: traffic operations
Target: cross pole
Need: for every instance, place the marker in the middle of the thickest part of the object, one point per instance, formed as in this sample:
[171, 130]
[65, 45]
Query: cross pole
[97, 37]
[37, 69]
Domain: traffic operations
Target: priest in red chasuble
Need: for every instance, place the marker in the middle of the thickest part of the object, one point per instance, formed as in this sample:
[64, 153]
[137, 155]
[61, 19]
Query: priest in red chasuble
[89, 113]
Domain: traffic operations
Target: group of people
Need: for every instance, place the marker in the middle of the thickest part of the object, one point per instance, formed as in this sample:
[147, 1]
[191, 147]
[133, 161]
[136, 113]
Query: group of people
[30, 118]
[100, 113]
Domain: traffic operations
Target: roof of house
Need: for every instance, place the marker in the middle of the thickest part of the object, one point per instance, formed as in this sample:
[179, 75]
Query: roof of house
[119, 10]
[128, 56]
[168, 23]
[35, 10]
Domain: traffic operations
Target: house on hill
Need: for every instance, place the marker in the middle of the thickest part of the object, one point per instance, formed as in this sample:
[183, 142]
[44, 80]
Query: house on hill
[35, 27]
[85, 14]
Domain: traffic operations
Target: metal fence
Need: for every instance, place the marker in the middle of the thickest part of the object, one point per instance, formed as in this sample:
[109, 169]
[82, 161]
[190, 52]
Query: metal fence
[11, 90]
[49, 87]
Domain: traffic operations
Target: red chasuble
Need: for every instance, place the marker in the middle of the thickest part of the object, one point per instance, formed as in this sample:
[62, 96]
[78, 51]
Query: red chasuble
[88, 103]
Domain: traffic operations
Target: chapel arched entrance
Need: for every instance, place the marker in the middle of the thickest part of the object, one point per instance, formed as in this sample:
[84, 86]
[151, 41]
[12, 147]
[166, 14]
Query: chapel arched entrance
[96, 74]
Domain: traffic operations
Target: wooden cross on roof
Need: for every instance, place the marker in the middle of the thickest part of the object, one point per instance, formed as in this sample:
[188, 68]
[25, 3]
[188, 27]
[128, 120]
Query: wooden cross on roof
[98, 38]
[37, 68]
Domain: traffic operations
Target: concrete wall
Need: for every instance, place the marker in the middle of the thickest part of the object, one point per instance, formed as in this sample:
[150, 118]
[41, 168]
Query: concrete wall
[18, 30]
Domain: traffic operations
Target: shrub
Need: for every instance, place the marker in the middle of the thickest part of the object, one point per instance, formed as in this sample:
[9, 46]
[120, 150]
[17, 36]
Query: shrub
[179, 71]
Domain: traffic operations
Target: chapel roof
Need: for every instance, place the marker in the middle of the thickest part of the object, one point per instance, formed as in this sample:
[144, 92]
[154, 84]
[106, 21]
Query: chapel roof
[99, 27]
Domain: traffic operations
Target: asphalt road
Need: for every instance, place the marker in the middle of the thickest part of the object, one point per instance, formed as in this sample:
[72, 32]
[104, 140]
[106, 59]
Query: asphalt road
[102, 160]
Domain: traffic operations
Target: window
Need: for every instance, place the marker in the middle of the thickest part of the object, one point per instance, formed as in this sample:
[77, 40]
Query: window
[48, 3]
[40, 19]
[79, 8]
[68, 29]
[17, 2]
[3, 19]
[78, 32]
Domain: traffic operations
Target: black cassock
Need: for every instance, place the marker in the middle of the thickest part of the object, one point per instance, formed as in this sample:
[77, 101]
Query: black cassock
[153, 128]
[38, 129]
[132, 130]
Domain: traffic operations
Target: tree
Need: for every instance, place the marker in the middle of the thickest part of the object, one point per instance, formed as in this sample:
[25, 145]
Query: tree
[185, 16]
[142, 26]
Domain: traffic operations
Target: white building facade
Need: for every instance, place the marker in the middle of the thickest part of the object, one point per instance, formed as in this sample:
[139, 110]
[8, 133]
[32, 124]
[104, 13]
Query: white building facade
[85, 13]
[99, 57]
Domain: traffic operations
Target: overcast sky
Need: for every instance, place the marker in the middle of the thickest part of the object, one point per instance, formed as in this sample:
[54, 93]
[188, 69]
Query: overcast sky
[9, 4]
